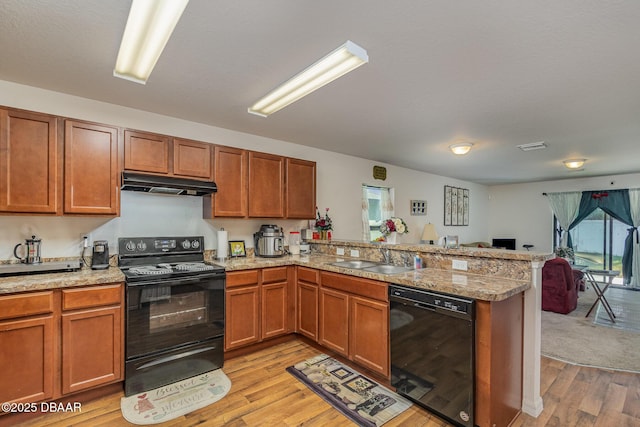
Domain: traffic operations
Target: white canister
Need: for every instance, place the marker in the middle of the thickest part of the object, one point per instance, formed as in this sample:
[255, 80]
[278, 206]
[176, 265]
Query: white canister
[294, 243]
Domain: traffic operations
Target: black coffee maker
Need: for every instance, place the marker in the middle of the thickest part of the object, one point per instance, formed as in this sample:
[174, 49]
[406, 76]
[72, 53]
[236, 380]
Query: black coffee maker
[100, 257]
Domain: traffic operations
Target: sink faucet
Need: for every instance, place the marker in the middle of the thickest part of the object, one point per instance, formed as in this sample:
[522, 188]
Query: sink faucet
[407, 260]
[386, 255]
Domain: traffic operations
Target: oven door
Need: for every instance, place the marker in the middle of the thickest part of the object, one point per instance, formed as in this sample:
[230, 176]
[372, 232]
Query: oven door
[167, 314]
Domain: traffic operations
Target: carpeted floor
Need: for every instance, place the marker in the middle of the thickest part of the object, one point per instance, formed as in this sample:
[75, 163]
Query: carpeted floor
[595, 341]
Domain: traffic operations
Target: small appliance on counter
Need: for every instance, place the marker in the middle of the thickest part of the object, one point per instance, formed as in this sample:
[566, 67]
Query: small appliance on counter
[306, 234]
[100, 256]
[269, 241]
[31, 254]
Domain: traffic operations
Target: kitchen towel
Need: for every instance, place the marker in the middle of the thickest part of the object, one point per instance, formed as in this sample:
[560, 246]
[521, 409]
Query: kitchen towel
[222, 250]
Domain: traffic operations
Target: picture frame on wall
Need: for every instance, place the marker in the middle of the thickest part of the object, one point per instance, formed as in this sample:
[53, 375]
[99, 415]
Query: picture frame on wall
[237, 249]
[456, 206]
[447, 205]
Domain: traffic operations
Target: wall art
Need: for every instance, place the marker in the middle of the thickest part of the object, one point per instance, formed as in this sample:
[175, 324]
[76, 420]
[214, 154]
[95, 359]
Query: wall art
[456, 205]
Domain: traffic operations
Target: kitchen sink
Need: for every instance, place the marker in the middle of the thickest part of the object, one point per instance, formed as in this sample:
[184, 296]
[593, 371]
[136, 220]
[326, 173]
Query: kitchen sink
[387, 269]
[357, 264]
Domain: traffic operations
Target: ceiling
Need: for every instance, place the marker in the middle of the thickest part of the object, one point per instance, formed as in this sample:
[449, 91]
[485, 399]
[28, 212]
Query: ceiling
[497, 73]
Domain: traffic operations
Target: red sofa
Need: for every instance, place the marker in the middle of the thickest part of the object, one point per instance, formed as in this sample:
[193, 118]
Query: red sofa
[560, 286]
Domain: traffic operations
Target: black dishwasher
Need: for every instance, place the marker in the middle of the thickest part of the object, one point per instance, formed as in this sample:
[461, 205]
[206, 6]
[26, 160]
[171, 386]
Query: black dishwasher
[432, 351]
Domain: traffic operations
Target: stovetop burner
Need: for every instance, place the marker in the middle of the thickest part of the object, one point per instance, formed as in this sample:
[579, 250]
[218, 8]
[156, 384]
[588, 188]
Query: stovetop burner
[151, 259]
[164, 268]
[193, 266]
[148, 270]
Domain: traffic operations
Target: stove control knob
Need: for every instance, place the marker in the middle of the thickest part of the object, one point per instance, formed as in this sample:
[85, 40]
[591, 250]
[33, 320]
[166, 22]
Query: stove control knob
[186, 244]
[195, 244]
[142, 245]
[130, 246]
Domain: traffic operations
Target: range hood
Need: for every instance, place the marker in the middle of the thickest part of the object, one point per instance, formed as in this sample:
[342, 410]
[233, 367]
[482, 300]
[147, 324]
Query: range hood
[166, 185]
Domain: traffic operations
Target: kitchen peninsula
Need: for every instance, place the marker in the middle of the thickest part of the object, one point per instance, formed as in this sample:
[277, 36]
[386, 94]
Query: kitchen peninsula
[505, 284]
[500, 282]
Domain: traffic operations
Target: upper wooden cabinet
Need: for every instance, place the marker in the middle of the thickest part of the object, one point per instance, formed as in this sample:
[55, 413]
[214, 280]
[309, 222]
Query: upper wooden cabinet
[192, 159]
[261, 185]
[301, 189]
[230, 175]
[91, 169]
[161, 154]
[146, 152]
[30, 163]
[266, 185]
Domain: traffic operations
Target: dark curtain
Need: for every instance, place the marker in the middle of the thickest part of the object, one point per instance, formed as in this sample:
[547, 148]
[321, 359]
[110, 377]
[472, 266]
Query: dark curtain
[616, 204]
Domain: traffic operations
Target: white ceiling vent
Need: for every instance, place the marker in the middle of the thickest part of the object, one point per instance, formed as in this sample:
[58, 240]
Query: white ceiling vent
[533, 146]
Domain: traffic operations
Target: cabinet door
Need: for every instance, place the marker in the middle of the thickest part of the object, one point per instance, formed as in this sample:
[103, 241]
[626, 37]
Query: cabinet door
[26, 356]
[92, 352]
[146, 152]
[90, 169]
[307, 310]
[334, 321]
[274, 309]
[266, 185]
[30, 163]
[191, 159]
[230, 174]
[369, 334]
[301, 189]
[242, 325]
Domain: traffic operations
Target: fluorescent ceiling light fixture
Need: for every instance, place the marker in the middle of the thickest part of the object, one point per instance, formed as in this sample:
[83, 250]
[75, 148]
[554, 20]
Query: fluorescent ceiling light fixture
[148, 29]
[574, 163]
[461, 148]
[346, 58]
[533, 146]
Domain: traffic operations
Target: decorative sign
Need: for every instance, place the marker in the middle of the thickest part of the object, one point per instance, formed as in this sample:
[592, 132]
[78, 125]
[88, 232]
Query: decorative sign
[456, 206]
[380, 172]
[418, 207]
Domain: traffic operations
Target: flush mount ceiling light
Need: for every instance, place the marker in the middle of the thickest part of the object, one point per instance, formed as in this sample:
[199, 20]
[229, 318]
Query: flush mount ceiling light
[461, 148]
[148, 29]
[346, 58]
[533, 146]
[574, 163]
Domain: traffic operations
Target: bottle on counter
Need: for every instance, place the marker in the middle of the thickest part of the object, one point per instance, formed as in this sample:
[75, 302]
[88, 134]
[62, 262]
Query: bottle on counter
[417, 262]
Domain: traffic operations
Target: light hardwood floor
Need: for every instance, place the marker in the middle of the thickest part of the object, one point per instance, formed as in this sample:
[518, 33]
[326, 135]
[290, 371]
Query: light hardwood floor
[264, 394]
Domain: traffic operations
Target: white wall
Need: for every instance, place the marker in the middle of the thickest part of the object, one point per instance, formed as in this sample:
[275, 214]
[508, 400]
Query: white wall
[521, 211]
[339, 187]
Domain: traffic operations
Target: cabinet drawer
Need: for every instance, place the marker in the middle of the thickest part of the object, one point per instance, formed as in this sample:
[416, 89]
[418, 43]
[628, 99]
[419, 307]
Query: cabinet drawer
[355, 285]
[94, 296]
[242, 278]
[309, 275]
[21, 305]
[275, 274]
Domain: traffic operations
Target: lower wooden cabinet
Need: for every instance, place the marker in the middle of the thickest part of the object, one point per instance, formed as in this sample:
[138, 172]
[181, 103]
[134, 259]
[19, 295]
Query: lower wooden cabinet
[256, 306]
[307, 286]
[60, 342]
[242, 322]
[91, 348]
[334, 321]
[354, 320]
[274, 302]
[368, 334]
[27, 358]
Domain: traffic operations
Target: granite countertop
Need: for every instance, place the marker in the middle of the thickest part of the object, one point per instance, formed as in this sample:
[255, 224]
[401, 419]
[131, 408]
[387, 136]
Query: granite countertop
[83, 277]
[482, 287]
[487, 288]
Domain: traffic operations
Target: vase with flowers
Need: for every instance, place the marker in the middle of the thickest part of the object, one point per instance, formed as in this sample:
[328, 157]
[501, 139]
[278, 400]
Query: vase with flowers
[324, 224]
[392, 226]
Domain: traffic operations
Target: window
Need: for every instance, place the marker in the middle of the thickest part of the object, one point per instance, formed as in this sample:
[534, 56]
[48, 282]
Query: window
[598, 242]
[377, 204]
